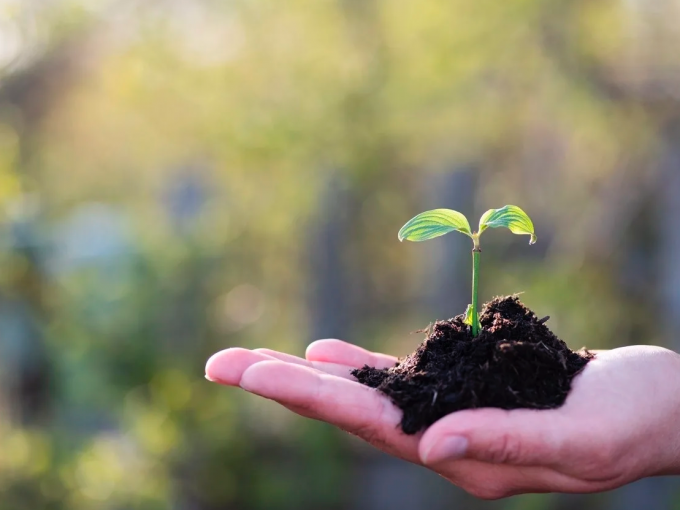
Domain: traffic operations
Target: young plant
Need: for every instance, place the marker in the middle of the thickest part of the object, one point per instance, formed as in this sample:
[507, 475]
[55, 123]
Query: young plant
[435, 223]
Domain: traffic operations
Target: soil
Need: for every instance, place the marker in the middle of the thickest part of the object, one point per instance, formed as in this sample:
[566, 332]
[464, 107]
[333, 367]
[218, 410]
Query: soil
[514, 362]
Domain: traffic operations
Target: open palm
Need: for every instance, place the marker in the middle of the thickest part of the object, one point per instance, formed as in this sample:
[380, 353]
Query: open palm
[618, 424]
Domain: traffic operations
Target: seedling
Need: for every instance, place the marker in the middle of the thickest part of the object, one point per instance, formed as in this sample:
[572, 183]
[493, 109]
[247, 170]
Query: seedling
[435, 223]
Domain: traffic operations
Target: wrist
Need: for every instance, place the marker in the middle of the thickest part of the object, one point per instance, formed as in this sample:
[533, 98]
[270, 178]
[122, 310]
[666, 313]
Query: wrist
[668, 403]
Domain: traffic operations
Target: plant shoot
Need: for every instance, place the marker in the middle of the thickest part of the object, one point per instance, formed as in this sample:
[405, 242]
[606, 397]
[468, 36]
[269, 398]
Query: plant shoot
[435, 223]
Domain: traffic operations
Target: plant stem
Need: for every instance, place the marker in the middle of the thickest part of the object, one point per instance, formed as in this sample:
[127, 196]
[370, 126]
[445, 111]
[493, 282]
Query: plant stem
[475, 288]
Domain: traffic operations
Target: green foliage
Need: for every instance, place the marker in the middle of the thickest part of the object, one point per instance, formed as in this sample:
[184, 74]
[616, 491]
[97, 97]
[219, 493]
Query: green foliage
[511, 217]
[435, 223]
[438, 222]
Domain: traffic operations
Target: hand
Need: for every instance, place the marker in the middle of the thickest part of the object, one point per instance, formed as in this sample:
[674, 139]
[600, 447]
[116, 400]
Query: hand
[619, 423]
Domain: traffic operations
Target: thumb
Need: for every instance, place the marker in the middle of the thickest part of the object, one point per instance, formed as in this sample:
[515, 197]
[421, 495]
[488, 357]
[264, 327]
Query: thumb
[517, 437]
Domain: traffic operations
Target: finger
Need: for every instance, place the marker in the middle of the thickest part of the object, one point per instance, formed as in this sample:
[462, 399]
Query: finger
[337, 351]
[521, 437]
[494, 481]
[227, 366]
[343, 403]
[329, 368]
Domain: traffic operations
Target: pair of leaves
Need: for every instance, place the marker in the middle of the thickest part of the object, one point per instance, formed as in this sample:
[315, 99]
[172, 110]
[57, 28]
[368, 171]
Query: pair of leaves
[435, 223]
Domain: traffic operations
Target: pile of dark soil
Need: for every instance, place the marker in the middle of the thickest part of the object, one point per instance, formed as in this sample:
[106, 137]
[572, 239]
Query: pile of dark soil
[515, 362]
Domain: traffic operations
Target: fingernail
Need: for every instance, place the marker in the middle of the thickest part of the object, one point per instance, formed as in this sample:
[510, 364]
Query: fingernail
[223, 368]
[447, 448]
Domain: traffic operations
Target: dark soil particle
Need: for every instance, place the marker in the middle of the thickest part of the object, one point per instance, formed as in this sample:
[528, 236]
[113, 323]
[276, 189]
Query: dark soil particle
[515, 362]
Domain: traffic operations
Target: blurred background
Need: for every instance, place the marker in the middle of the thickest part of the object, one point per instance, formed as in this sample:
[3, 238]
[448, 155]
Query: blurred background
[182, 176]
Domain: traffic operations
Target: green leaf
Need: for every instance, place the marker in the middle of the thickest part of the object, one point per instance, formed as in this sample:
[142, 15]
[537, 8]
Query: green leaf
[511, 217]
[435, 223]
[468, 316]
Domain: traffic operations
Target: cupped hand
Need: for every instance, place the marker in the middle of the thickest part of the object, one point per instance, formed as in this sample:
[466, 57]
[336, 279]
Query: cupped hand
[620, 422]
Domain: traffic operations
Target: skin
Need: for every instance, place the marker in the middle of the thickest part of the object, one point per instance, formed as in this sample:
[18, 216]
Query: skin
[619, 423]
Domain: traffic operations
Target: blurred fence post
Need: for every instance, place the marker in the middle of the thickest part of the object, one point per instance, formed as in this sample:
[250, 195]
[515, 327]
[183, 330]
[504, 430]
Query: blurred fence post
[662, 492]
[659, 492]
[27, 96]
[328, 278]
[448, 289]
[669, 248]
[25, 370]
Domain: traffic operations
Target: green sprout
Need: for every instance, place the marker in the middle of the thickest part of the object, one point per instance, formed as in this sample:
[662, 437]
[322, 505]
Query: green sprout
[435, 223]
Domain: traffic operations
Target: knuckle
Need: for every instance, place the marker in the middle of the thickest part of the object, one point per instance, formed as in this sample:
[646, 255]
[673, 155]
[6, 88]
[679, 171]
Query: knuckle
[604, 456]
[487, 492]
[264, 350]
[374, 432]
[604, 462]
[371, 435]
[507, 450]
[303, 409]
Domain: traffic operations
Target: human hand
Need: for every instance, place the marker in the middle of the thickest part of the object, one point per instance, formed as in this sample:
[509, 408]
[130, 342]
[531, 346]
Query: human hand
[619, 423]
